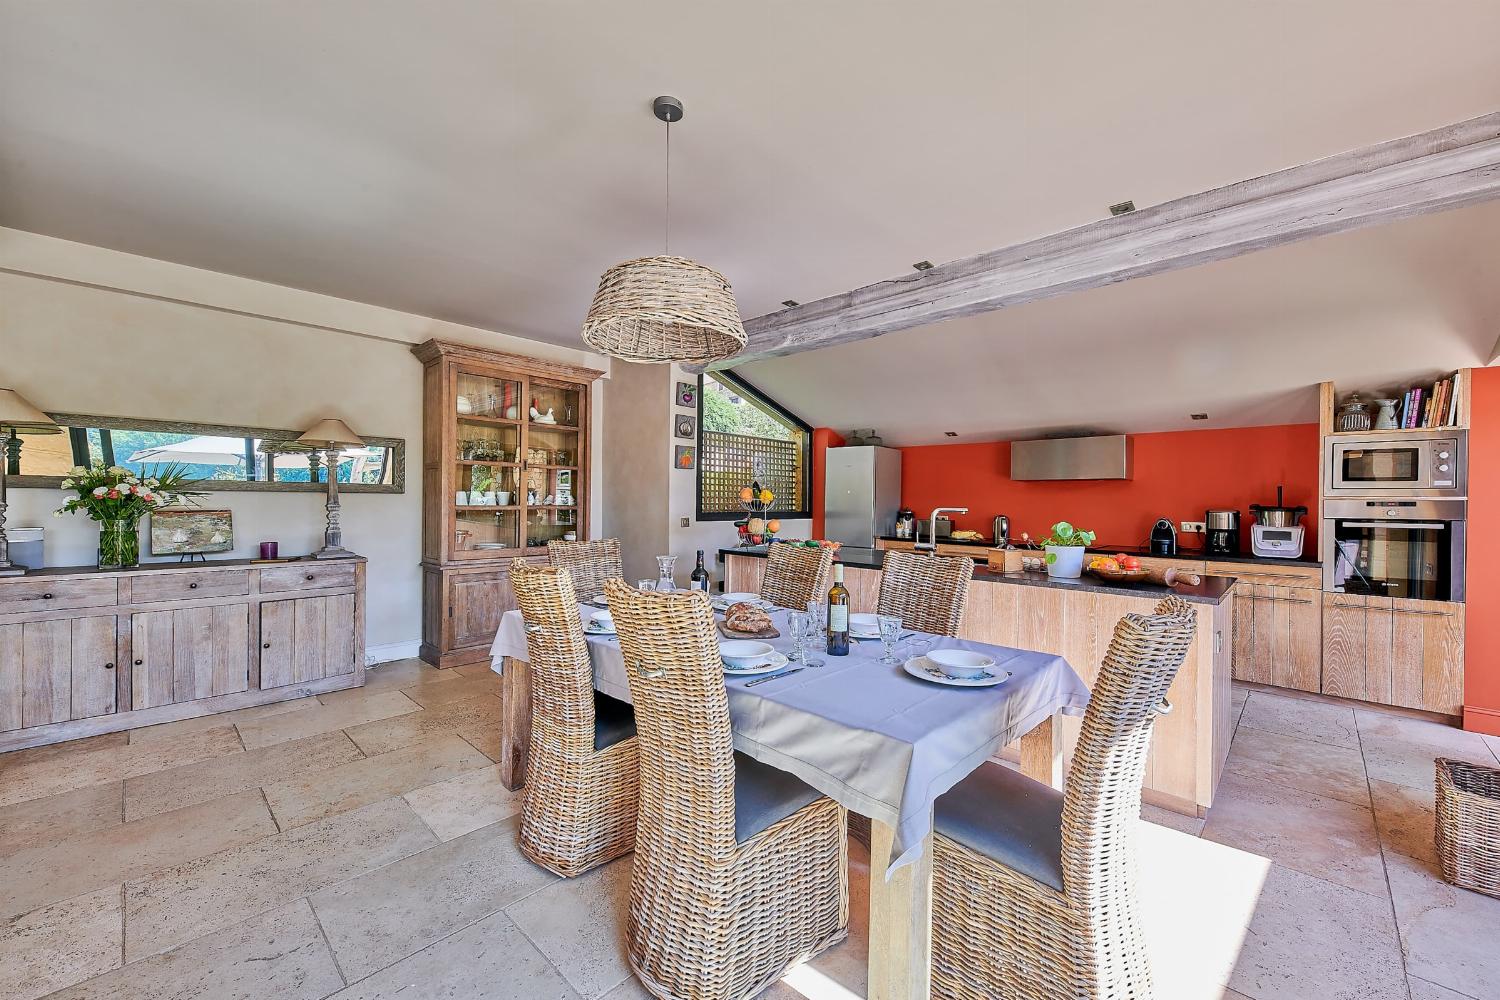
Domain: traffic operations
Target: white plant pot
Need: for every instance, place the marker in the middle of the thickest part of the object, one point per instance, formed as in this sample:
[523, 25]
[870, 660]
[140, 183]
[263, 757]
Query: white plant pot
[1069, 562]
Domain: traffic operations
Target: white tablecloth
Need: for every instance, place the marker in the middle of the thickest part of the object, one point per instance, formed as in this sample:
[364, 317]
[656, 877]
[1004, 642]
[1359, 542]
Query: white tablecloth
[867, 734]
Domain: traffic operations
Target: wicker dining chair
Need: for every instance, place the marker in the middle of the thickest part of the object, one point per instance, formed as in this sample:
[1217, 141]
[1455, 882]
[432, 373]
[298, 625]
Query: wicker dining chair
[1034, 889]
[741, 869]
[581, 782]
[591, 563]
[796, 575]
[927, 591]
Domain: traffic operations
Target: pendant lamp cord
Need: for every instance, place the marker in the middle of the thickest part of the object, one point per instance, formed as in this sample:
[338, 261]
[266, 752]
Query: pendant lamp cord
[666, 240]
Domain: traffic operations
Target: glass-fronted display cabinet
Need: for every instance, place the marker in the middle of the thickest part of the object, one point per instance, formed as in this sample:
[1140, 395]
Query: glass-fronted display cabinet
[505, 471]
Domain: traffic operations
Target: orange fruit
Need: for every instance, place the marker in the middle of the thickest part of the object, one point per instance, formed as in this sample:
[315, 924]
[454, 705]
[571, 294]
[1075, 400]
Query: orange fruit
[773, 526]
[747, 494]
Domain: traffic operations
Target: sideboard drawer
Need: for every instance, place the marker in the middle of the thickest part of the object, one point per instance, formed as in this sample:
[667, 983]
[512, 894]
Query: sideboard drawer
[306, 576]
[148, 587]
[27, 594]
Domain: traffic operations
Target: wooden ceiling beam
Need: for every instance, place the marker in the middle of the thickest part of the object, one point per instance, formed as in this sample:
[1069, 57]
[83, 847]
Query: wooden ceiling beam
[1446, 168]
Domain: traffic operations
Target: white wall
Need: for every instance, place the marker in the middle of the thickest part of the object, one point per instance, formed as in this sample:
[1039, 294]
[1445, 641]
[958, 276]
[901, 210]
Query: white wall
[88, 330]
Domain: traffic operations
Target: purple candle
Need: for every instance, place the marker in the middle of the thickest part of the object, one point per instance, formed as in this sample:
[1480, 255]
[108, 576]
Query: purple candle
[268, 550]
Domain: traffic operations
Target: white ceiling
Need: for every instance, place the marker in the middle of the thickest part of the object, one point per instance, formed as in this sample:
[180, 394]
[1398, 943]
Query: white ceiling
[483, 162]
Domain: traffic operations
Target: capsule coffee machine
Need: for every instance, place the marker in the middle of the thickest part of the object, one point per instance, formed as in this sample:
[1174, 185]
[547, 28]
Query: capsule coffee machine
[1223, 527]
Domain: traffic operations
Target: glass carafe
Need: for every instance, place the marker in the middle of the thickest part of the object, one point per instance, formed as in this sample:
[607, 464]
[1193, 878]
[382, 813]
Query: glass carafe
[668, 566]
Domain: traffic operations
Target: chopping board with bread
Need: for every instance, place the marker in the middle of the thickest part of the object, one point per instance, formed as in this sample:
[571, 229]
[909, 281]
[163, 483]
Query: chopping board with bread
[747, 621]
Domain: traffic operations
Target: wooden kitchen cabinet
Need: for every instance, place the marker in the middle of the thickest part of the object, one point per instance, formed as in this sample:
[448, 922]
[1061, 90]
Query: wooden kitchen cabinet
[1394, 651]
[56, 670]
[1277, 635]
[305, 639]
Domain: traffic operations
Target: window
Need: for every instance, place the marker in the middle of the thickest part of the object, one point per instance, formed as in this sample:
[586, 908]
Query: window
[218, 457]
[745, 437]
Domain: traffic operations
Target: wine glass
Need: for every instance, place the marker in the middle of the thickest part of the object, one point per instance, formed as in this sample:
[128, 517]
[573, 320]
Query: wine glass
[645, 585]
[890, 634]
[668, 565]
[797, 624]
[815, 631]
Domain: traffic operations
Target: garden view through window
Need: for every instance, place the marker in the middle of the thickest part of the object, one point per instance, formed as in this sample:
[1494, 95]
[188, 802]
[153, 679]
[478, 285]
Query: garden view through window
[744, 438]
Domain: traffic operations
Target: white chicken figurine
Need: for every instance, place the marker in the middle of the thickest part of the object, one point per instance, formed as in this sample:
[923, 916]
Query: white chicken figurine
[540, 418]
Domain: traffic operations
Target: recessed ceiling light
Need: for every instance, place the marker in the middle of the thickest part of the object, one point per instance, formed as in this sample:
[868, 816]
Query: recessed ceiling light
[1198, 416]
[790, 302]
[952, 434]
[1122, 208]
[923, 265]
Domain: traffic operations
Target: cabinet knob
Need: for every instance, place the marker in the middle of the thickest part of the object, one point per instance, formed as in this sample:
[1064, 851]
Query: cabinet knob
[47, 596]
[192, 586]
[265, 645]
[139, 662]
[309, 576]
[109, 666]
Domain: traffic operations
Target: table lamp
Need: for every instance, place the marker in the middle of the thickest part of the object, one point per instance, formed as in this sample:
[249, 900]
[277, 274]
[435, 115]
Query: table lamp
[331, 436]
[16, 414]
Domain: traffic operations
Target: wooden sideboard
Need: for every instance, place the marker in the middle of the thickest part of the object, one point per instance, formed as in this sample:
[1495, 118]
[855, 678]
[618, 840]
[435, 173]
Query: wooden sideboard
[85, 651]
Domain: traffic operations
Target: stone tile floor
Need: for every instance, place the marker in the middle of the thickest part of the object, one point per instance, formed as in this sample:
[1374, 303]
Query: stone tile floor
[361, 846]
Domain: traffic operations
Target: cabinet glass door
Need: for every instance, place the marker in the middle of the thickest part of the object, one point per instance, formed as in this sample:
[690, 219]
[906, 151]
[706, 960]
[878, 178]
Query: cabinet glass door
[487, 464]
[552, 484]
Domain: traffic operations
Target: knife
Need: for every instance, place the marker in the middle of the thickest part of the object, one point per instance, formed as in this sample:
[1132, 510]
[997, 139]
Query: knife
[772, 677]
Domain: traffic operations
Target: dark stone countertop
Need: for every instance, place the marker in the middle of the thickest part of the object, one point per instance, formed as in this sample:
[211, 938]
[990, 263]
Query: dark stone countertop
[1145, 550]
[1213, 589]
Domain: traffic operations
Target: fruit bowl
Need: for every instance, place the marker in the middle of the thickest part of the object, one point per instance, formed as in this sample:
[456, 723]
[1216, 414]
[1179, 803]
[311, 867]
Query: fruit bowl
[1118, 574]
[1119, 567]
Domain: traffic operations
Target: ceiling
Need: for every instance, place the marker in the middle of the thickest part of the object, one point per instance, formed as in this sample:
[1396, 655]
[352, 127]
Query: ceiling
[485, 165]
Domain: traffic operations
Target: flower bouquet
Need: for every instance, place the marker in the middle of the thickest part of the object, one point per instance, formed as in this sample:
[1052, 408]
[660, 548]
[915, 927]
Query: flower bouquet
[117, 498]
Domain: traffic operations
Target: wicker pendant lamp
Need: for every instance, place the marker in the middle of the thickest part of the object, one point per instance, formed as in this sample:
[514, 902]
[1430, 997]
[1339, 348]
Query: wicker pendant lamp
[658, 310]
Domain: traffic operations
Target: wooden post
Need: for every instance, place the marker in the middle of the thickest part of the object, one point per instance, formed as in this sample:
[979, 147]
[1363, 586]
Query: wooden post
[900, 961]
[1042, 753]
[515, 722]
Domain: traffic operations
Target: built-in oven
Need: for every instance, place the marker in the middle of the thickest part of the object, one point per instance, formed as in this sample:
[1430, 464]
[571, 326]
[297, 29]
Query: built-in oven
[1411, 547]
[1406, 464]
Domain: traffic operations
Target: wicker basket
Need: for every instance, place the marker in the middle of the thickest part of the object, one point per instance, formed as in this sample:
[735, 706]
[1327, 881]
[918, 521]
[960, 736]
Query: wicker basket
[1468, 824]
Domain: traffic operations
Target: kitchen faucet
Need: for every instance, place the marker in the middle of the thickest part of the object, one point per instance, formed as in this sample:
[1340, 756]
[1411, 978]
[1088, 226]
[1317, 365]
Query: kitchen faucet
[931, 544]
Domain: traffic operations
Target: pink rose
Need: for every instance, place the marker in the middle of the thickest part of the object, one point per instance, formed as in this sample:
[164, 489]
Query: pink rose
[113, 494]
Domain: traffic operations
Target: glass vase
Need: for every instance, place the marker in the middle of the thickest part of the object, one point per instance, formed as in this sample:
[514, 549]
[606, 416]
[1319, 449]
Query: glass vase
[119, 544]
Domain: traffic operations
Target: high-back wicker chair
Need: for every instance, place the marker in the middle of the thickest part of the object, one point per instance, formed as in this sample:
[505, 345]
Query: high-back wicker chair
[581, 783]
[1033, 889]
[796, 575]
[741, 869]
[591, 563]
[927, 591]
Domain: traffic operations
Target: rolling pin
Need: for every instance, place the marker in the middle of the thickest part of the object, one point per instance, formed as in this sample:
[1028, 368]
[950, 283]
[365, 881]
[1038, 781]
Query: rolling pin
[1172, 576]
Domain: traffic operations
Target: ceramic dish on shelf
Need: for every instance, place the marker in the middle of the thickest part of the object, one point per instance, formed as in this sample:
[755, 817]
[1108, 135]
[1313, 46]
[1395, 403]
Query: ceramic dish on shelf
[773, 662]
[924, 669]
[492, 545]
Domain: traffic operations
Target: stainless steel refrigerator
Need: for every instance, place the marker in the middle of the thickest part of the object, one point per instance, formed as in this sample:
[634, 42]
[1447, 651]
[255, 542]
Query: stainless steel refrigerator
[861, 494]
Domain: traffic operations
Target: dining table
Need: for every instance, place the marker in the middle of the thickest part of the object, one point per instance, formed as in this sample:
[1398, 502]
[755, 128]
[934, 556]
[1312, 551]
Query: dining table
[867, 733]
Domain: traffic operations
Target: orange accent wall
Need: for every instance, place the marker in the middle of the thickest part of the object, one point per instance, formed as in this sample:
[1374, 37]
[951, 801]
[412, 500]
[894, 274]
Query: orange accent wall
[823, 438]
[1177, 475]
[1482, 581]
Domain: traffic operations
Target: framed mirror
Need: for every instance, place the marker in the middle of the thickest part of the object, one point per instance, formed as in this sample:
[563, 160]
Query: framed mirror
[220, 457]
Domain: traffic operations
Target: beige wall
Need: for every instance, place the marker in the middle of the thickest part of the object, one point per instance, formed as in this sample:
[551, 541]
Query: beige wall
[88, 330]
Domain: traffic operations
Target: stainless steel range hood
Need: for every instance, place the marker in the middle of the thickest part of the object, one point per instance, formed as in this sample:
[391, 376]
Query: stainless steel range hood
[1106, 456]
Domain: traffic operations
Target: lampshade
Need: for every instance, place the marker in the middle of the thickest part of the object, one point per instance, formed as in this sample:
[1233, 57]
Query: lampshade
[330, 432]
[663, 309]
[17, 413]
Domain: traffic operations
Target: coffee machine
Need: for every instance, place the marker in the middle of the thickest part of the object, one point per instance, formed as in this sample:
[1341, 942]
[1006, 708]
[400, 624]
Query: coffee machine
[1164, 538]
[1223, 528]
[905, 522]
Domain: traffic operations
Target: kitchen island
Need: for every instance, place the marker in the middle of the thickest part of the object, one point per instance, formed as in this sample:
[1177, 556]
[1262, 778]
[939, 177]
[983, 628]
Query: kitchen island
[1076, 620]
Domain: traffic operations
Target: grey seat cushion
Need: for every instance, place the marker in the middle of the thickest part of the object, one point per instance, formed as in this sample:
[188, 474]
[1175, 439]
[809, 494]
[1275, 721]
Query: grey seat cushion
[1007, 817]
[765, 795]
[614, 721]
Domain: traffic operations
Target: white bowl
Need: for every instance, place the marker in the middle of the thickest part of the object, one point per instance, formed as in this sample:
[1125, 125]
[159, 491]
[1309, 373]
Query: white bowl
[744, 652]
[961, 663]
[604, 620]
[736, 598]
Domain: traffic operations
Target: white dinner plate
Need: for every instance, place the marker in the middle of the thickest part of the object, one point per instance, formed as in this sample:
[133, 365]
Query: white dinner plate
[924, 669]
[775, 662]
[592, 629]
[725, 600]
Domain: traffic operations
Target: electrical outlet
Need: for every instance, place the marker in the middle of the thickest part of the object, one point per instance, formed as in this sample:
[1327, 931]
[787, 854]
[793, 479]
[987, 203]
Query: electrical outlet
[1193, 527]
[683, 522]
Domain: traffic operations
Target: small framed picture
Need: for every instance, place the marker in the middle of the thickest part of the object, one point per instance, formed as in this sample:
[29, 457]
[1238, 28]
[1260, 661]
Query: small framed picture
[189, 531]
[687, 394]
[685, 456]
[687, 425]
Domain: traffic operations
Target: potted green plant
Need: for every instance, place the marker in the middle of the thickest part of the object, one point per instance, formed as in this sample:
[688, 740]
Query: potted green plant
[1065, 548]
[117, 498]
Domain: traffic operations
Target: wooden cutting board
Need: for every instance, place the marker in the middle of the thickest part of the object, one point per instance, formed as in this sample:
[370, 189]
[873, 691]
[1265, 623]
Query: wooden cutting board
[769, 633]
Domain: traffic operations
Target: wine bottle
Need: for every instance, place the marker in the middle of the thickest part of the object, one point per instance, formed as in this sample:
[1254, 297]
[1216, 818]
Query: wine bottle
[699, 579]
[838, 614]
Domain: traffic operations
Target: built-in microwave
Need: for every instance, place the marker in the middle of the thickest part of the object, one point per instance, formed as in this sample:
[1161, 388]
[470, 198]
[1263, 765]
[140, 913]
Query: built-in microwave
[1410, 464]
